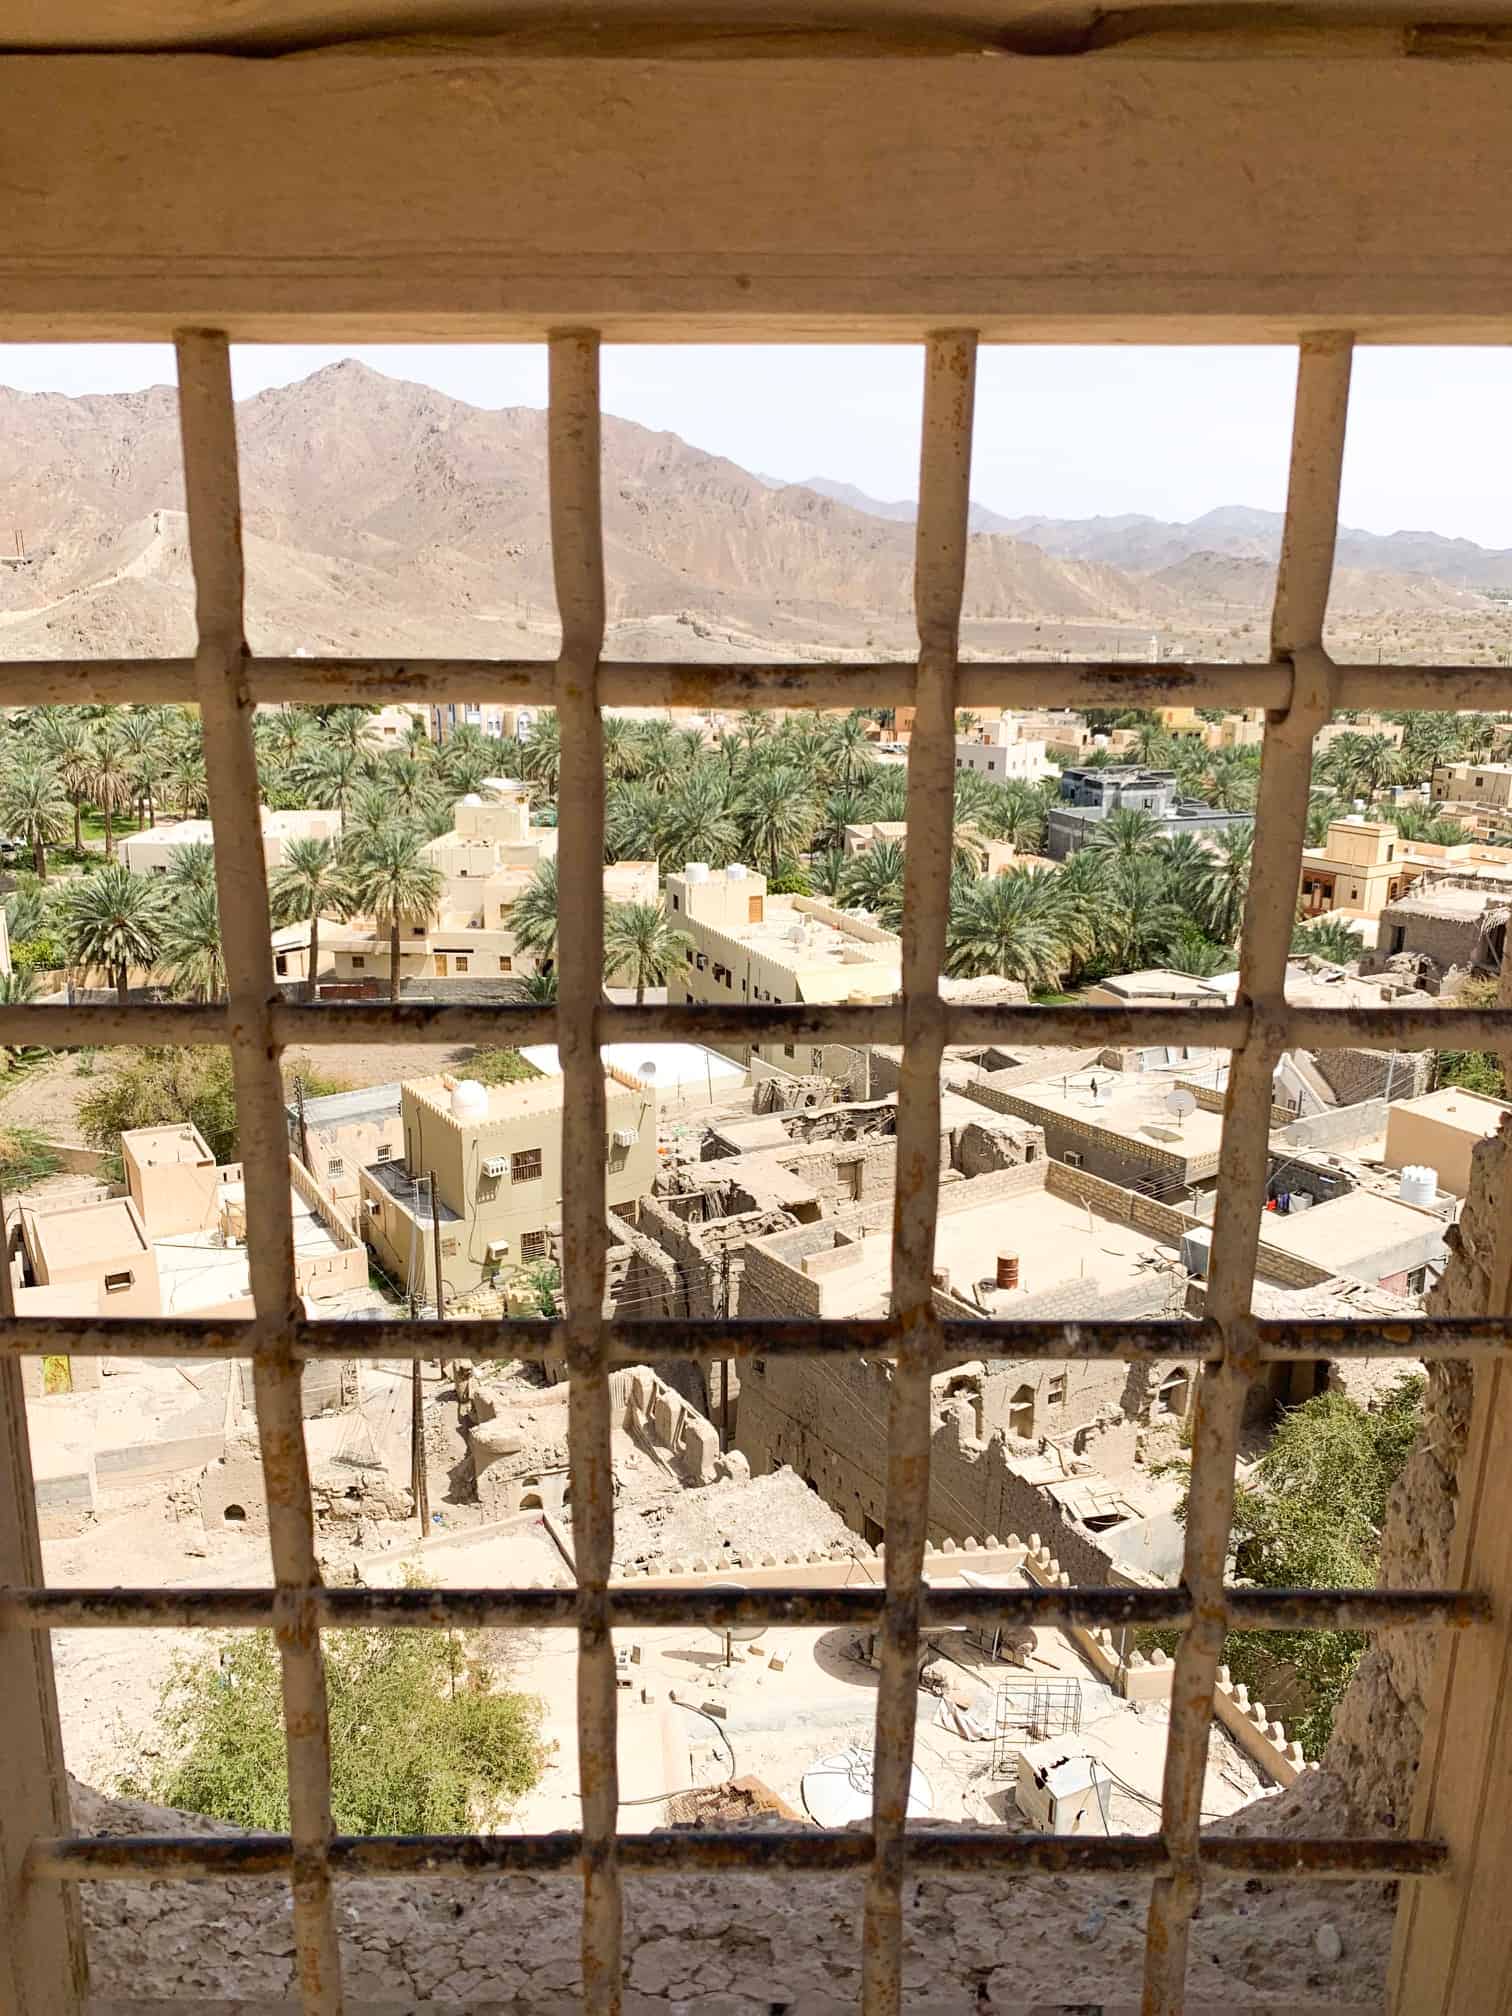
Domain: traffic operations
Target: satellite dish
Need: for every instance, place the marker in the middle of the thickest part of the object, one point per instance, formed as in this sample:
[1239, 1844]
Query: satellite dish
[838, 1789]
[646, 1071]
[1181, 1102]
[733, 1634]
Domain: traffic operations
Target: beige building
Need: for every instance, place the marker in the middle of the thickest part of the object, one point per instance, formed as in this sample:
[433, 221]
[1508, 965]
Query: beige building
[95, 1258]
[999, 750]
[1358, 871]
[152, 852]
[1371, 725]
[486, 862]
[341, 1133]
[1441, 1131]
[1475, 784]
[750, 947]
[1236, 731]
[497, 1156]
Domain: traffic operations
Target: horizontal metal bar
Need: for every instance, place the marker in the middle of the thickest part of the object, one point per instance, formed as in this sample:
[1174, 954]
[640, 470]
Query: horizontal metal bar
[963, 1339]
[303, 1024]
[636, 1604]
[796, 683]
[192, 1858]
[631, 1343]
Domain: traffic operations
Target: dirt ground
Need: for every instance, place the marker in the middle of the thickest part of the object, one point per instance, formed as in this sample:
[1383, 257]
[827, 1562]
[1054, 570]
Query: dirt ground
[47, 1097]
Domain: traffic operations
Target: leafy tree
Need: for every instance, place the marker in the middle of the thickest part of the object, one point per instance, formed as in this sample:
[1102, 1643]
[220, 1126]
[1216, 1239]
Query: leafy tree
[192, 868]
[1476, 1070]
[63, 740]
[1328, 941]
[157, 1087]
[310, 880]
[873, 881]
[641, 948]
[1223, 885]
[1127, 833]
[190, 947]
[848, 756]
[1191, 952]
[1141, 923]
[532, 918]
[1020, 925]
[423, 1740]
[543, 751]
[695, 822]
[777, 811]
[110, 777]
[113, 920]
[541, 987]
[500, 1067]
[392, 881]
[34, 808]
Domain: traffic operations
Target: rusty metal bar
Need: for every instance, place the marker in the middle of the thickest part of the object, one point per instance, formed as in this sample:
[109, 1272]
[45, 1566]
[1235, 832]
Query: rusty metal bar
[578, 566]
[1302, 585]
[212, 492]
[640, 1604]
[962, 1339]
[322, 682]
[939, 575]
[305, 1025]
[198, 1858]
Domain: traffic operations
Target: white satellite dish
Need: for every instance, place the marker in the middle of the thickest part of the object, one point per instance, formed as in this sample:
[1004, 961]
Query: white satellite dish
[838, 1789]
[646, 1071]
[733, 1634]
[1181, 1102]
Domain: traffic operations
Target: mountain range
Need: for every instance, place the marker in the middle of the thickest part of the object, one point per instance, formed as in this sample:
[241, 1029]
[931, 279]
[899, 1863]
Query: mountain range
[384, 516]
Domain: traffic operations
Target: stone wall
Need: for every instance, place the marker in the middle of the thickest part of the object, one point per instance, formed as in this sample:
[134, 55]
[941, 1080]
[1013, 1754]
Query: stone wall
[1341, 1127]
[1356, 1075]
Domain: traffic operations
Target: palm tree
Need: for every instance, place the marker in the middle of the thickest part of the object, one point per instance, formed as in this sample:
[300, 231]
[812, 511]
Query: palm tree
[394, 883]
[695, 823]
[329, 772]
[1153, 746]
[1141, 923]
[874, 881]
[466, 760]
[532, 919]
[543, 752]
[1197, 955]
[1235, 779]
[1127, 834]
[309, 881]
[1333, 941]
[1015, 924]
[347, 728]
[1186, 859]
[641, 949]
[144, 736]
[114, 920]
[408, 782]
[621, 754]
[34, 807]
[887, 792]
[110, 780]
[63, 740]
[827, 870]
[631, 812]
[192, 868]
[1016, 814]
[540, 987]
[191, 944]
[1224, 883]
[847, 753]
[777, 812]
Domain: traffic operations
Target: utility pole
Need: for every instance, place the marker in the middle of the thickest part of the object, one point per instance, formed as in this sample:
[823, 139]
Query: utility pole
[436, 1238]
[419, 1483]
[304, 1137]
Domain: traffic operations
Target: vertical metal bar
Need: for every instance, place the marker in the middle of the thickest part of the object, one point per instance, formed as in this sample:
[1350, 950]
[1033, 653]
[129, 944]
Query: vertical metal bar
[1302, 585]
[212, 492]
[1452, 1953]
[42, 1959]
[939, 576]
[577, 555]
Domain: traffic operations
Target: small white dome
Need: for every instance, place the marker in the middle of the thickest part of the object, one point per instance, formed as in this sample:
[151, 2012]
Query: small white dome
[469, 1100]
[472, 798]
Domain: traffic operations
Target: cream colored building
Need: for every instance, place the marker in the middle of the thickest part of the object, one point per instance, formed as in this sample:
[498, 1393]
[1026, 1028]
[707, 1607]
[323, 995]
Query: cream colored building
[152, 852]
[1441, 1131]
[999, 750]
[1236, 731]
[1479, 785]
[1370, 725]
[96, 1258]
[486, 861]
[391, 726]
[752, 947]
[1358, 871]
[497, 1156]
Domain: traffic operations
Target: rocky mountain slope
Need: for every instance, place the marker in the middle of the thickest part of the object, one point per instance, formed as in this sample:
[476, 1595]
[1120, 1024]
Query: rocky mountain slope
[383, 516]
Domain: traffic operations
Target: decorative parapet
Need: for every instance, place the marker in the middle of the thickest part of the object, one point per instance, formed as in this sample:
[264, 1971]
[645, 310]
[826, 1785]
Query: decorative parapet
[1148, 1677]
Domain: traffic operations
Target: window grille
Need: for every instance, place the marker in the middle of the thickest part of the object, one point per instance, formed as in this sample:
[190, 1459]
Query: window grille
[1297, 683]
[525, 1166]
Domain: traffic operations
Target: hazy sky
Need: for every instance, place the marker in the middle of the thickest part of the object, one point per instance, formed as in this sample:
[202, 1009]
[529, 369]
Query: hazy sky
[1066, 433]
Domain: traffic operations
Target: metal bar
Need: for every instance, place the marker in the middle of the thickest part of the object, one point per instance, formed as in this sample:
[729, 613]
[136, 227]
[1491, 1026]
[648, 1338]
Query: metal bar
[197, 1858]
[578, 565]
[1302, 585]
[208, 422]
[305, 1025]
[711, 1338]
[640, 1605]
[45, 682]
[43, 1966]
[939, 575]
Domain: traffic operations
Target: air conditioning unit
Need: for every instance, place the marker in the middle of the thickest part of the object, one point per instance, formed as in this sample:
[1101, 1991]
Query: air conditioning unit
[497, 1248]
[496, 1165]
[371, 1206]
[626, 1137]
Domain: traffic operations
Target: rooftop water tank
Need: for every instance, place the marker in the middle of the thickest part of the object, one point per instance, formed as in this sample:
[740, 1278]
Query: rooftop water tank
[1419, 1184]
[1196, 1248]
[696, 871]
[736, 872]
[469, 1100]
[472, 798]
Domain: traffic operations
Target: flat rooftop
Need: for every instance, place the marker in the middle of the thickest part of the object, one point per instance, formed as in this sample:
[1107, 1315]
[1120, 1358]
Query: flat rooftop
[671, 1063]
[1452, 1106]
[1449, 899]
[155, 1147]
[337, 1109]
[1156, 983]
[1360, 1223]
[197, 1271]
[82, 1234]
[1130, 1104]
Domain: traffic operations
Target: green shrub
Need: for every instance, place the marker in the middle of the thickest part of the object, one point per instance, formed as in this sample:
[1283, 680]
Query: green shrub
[25, 1158]
[163, 1087]
[499, 1067]
[421, 1742]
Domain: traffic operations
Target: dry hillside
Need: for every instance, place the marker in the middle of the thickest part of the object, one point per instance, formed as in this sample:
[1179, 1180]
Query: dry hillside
[383, 516]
